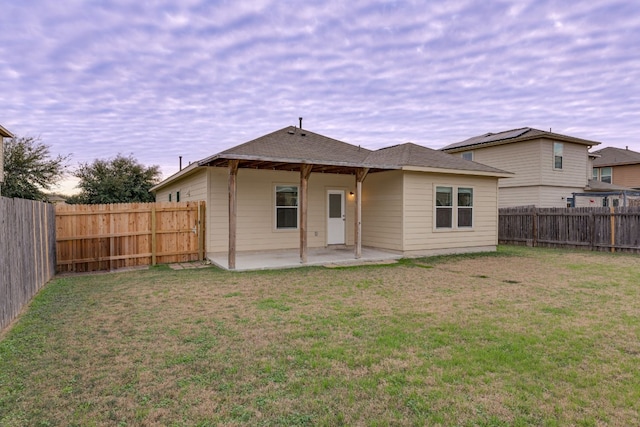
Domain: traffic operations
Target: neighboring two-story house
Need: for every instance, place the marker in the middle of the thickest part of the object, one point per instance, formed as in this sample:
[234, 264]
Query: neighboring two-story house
[548, 167]
[3, 134]
[617, 166]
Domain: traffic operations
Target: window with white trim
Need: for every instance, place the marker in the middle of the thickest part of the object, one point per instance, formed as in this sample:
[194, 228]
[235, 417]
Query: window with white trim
[286, 207]
[603, 174]
[444, 207]
[558, 149]
[465, 207]
[467, 155]
[452, 210]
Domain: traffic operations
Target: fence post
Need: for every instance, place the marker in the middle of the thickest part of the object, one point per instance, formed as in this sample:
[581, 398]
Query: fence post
[535, 227]
[201, 230]
[613, 228]
[153, 235]
[112, 243]
[592, 237]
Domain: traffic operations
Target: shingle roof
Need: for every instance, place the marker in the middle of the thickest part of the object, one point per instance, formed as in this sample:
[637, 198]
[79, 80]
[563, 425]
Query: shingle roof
[514, 135]
[410, 154]
[593, 185]
[292, 144]
[611, 156]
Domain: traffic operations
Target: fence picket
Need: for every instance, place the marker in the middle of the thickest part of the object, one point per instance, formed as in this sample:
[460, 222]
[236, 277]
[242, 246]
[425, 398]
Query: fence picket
[599, 229]
[27, 253]
[108, 237]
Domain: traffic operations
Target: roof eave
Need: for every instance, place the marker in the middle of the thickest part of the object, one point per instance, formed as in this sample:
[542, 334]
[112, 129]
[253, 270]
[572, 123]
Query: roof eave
[180, 174]
[496, 174]
[554, 136]
[612, 164]
[5, 133]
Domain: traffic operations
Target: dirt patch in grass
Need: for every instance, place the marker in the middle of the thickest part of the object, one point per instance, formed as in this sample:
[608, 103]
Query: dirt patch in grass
[521, 337]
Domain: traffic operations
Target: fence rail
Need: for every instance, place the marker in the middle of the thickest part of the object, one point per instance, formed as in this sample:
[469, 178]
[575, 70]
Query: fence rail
[108, 237]
[598, 229]
[27, 253]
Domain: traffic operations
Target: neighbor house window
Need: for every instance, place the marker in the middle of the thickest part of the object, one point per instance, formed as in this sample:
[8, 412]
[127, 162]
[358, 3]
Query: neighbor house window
[454, 205]
[286, 206]
[603, 174]
[169, 196]
[444, 207]
[467, 155]
[177, 196]
[465, 207]
[558, 148]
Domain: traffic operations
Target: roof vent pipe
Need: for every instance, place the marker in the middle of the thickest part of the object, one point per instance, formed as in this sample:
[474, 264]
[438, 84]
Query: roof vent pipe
[300, 118]
[180, 157]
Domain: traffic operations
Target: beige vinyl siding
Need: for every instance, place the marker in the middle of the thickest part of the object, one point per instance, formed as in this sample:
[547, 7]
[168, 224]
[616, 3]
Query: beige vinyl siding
[519, 196]
[256, 228]
[523, 159]
[218, 211]
[540, 196]
[536, 182]
[193, 187]
[419, 233]
[532, 163]
[382, 206]
[556, 197]
[574, 165]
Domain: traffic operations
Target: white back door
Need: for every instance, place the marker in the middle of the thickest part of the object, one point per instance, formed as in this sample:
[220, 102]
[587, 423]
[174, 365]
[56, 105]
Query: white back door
[336, 220]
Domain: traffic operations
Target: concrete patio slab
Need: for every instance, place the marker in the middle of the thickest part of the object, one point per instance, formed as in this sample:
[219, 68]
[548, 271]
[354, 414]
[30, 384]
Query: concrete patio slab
[290, 258]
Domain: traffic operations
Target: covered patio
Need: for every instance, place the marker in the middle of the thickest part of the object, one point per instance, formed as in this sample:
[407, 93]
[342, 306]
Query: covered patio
[294, 151]
[290, 258]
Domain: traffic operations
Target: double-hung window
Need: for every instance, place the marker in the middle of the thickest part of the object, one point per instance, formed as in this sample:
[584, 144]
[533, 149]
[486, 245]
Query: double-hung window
[286, 207]
[603, 174]
[454, 205]
[465, 207]
[558, 149]
[444, 207]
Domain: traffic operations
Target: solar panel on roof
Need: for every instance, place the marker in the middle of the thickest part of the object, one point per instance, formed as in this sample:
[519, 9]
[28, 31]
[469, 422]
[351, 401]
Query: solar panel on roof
[505, 135]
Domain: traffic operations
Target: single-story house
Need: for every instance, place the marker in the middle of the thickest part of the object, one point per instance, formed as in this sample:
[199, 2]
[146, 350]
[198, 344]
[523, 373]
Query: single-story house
[295, 189]
[4, 133]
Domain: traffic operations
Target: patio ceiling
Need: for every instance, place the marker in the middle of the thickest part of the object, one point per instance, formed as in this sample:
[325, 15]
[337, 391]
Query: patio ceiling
[345, 168]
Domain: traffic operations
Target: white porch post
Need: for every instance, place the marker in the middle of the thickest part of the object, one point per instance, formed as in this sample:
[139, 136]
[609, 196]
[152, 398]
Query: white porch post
[361, 174]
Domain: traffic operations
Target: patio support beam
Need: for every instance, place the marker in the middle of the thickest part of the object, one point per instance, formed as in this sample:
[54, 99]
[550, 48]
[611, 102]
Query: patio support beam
[233, 205]
[361, 174]
[305, 172]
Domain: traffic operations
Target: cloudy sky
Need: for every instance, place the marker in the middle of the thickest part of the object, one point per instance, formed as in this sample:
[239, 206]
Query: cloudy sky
[159, 79]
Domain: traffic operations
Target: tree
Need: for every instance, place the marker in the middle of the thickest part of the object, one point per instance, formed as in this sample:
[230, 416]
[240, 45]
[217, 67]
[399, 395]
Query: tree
[118, 180]
[29, 168]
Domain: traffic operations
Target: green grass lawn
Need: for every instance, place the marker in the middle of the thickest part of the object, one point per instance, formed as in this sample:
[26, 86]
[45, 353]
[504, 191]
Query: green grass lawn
[518, 337]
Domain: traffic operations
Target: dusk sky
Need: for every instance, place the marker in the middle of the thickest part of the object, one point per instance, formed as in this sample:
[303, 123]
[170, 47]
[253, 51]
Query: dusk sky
[159, 79]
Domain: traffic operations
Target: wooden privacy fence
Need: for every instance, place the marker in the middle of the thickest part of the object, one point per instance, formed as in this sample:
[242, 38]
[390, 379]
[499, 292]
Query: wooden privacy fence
[108, 237]
[598, 229]
[27, 253]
